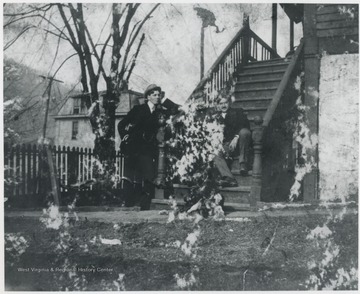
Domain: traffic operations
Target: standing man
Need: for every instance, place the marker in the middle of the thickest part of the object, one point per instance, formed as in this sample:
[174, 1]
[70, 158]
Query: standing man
[236, 141]
[138, 132]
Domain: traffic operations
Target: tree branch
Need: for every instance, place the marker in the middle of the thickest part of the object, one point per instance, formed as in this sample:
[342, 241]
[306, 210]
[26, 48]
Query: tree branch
[103, 51]
[99, 60]
[78, 19]
[41, 8]
[21, 18]
[118, 44]
[134, 59]
[142, 23]
[73, 42]
[131, 41]
[17, 37]
[66, 59]
[62, 35]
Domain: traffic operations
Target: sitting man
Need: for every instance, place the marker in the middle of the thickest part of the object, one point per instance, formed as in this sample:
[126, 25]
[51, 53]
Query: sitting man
[237, 137]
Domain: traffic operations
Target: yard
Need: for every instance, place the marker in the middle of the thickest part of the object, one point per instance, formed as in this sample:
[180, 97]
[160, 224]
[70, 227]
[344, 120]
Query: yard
[262, 253]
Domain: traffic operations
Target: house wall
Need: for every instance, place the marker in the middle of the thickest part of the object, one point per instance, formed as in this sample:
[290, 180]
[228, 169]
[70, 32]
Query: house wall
[329, 29]
[338, 126]
[85, 138]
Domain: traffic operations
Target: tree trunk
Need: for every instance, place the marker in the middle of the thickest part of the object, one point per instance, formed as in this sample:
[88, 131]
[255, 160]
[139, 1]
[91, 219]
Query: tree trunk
[104, 148]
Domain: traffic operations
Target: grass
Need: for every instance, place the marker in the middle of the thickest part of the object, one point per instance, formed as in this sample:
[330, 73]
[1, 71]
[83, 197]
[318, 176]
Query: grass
[229, 255]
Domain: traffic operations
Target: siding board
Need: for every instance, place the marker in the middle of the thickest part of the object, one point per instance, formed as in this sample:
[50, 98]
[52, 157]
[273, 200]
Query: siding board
[335, 25]
[335, 17]
[338, 32]
[333, 8]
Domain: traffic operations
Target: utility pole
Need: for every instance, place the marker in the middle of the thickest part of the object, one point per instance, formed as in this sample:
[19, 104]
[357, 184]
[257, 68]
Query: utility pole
[48, 159]
[48, 89]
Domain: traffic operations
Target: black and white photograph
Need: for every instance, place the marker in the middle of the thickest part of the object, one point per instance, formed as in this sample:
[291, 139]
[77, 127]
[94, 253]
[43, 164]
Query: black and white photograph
[191, 146]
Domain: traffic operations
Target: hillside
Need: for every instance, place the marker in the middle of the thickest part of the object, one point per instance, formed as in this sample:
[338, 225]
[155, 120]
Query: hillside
[25, 94]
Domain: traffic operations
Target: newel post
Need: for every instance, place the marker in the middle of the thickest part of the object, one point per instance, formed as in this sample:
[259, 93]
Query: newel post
[160, 179]
[246, 39]
[257, 136]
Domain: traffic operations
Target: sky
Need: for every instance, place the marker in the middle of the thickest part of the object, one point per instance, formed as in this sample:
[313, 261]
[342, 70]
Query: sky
[170, 55]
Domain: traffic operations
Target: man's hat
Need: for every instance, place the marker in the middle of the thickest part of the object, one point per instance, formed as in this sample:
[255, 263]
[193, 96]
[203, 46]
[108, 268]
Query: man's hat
[151, 88]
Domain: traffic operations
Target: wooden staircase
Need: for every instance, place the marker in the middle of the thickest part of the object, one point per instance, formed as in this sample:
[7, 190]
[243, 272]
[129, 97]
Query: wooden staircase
[258, 78]
[256, 85]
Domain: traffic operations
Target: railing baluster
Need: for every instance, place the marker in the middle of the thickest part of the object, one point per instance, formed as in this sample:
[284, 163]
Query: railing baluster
[60, 167]
[34, 170]
[23, 169]
[85, 165]
[7, 172]
[17, 169]
[28, 171]
[226, 67]
[12, 170]
[81, 164]
[220, 78]
[57, 164]
[256, 51]
[91, 166]
[122, 169]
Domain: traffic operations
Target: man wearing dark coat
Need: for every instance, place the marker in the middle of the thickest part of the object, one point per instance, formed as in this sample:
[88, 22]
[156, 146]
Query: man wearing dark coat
[138, 130]
[236, 140]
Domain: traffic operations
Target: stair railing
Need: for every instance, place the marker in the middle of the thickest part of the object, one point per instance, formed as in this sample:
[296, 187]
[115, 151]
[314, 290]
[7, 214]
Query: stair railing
[282, 86]
[245, 47]
[262, 124]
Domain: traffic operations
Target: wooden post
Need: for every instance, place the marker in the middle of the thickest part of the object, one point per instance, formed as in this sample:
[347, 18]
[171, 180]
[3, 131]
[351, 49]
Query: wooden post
[202, 53]
[246, 39]
[311, 101]
[291, 35]
[257, 136]
[274, 26]
[160, 180]
[55, 187]
[47, 110]
[51, 79]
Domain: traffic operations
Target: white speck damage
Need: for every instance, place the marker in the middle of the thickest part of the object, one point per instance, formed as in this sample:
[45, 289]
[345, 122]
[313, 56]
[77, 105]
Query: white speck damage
[319, 232]
[110, 241]
[186, 281]
[339, 127]
[189, 245]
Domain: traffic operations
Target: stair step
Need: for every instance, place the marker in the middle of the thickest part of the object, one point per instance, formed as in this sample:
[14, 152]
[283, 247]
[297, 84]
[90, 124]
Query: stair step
[259, 76]
[252, 103]
[257, 84]
[264, 67]
[162, 204]
[237, 90]
[246, 109]
[280, 59]
[238, 194]
[278, 80]
[264, 72]
[252, 99]
[228, 206]
[253, 113]
[270, 61]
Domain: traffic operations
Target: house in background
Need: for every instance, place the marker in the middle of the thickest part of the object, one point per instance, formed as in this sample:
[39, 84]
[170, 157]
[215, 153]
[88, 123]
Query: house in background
[73, 126]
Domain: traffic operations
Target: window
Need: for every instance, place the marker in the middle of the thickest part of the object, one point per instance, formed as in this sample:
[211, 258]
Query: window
[76, 109]
[75, 130]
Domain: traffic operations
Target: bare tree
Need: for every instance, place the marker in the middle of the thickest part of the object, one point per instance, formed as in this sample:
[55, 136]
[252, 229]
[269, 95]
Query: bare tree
[68, 23]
